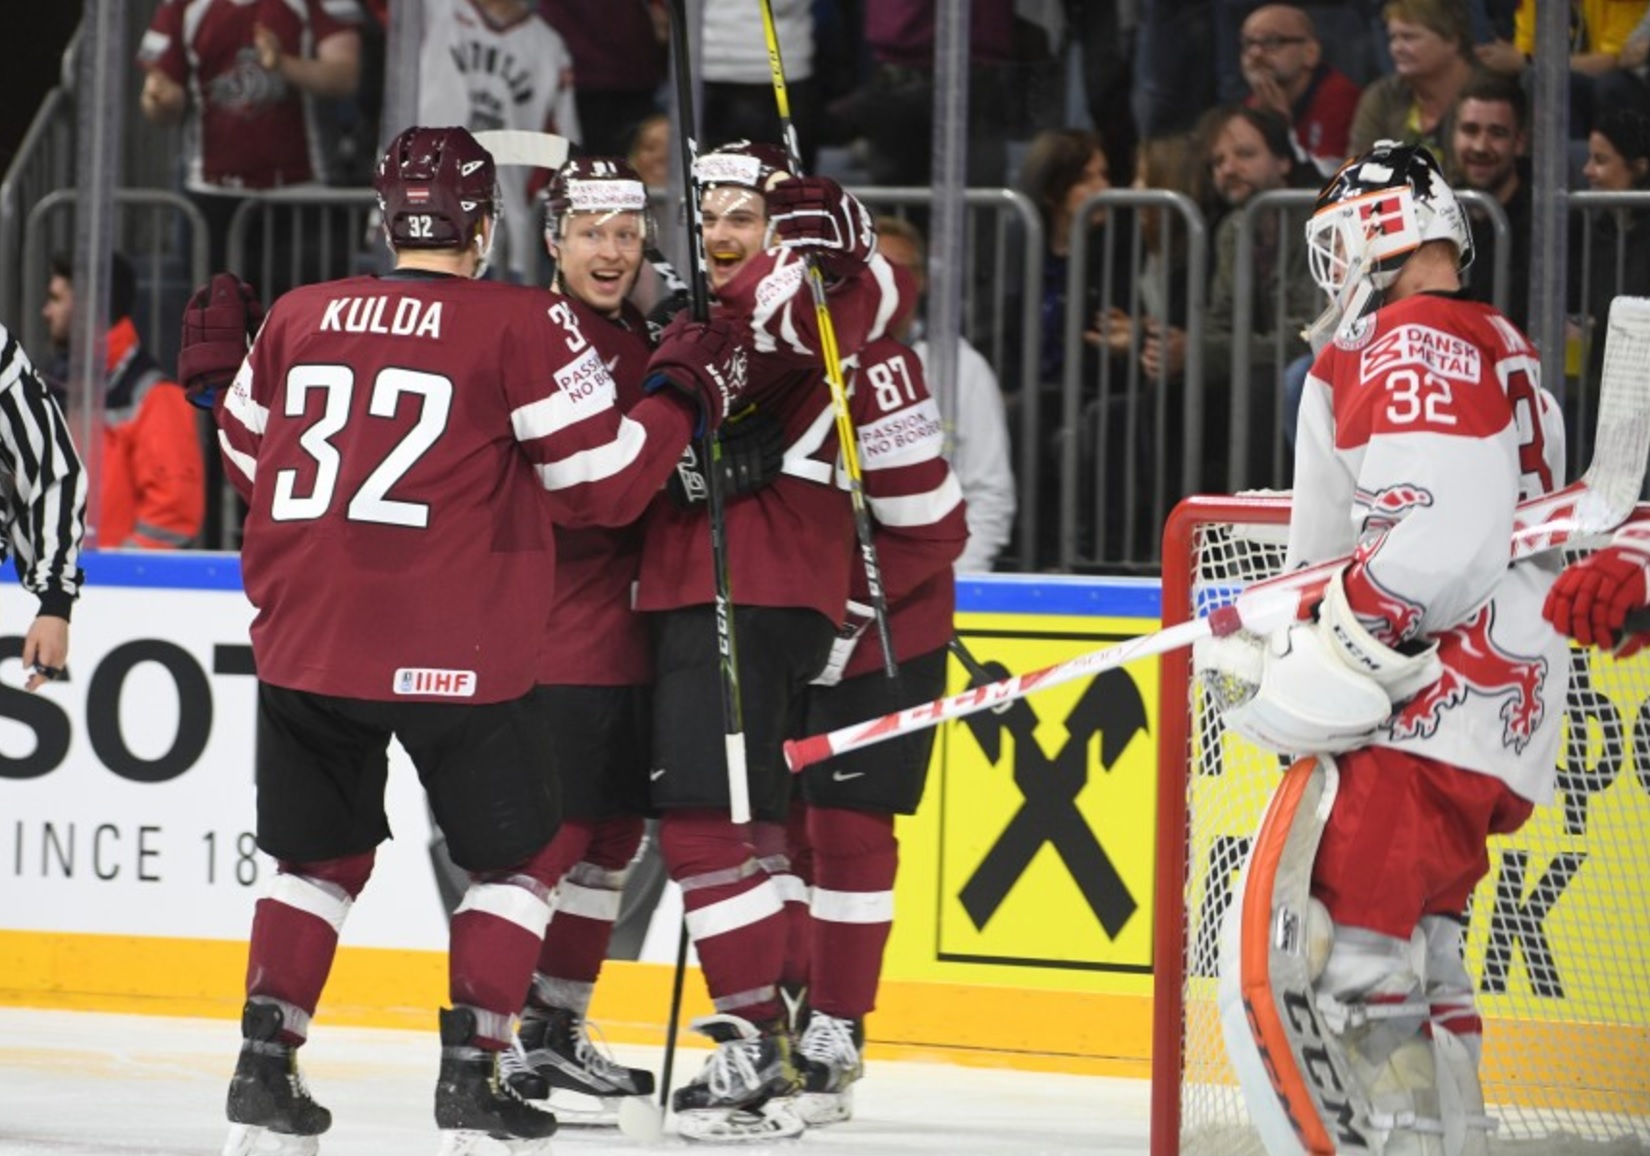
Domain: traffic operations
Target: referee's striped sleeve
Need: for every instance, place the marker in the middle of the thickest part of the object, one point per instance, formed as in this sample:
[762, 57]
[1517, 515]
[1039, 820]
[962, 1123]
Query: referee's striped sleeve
[47, 483]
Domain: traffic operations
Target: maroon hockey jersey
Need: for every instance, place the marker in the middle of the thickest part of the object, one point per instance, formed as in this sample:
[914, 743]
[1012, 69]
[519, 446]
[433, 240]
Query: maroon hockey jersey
[404, 444]
[789, 543]
[918, 517]
[596, 637]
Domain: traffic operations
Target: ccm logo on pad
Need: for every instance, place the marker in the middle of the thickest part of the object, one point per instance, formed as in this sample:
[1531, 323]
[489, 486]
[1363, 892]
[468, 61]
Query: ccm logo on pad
[424, 681]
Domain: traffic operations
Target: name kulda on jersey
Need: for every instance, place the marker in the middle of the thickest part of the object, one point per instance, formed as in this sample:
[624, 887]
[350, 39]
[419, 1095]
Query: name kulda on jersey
[393, 316]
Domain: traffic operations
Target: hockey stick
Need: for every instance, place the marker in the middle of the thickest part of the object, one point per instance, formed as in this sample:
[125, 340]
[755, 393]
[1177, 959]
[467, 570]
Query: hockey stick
[832, 357]
[733, 714]
[1603, 499]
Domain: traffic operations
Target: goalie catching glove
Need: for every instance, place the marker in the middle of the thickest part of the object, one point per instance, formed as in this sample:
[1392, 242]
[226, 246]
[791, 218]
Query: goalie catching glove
[818, 218]
[860, 617]
[1592, 598]
[707, 360]
[753, 454]
[219, 323]
[1312, 687]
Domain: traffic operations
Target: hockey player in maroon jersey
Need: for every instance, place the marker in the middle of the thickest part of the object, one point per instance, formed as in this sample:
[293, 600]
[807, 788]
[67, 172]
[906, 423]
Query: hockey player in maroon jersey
[789, 547]
[596, 672]
[404, 444]
[1426, 693]
[842, 843]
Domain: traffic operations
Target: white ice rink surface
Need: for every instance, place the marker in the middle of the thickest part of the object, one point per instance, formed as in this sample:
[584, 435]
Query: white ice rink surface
[83, 1084]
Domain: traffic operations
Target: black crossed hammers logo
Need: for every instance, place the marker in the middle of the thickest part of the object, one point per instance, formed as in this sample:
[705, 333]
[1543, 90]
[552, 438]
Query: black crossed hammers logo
[1112, 708]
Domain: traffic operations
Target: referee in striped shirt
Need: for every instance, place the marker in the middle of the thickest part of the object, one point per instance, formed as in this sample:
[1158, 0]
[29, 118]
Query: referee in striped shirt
[43, 486]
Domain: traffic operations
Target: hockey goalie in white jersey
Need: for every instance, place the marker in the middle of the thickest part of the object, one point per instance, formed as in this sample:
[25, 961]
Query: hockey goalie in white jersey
[1424, 698]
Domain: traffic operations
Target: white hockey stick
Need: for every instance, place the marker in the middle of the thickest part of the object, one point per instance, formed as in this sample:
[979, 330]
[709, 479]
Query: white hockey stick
[519, 146]
[1597, 504]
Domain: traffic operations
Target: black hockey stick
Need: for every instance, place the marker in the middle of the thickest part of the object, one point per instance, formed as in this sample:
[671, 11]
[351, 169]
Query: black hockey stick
[832, 357]
[733, 714]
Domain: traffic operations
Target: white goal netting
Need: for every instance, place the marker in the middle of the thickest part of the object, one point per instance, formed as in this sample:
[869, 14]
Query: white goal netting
[1559, 933]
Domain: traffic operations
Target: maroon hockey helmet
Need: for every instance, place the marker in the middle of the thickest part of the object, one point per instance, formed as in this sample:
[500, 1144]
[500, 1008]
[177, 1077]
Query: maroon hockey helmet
[434, 186]
[595, 185]
[742, 163]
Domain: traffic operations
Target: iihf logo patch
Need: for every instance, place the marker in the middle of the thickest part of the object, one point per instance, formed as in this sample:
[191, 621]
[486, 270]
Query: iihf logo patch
[420, 680]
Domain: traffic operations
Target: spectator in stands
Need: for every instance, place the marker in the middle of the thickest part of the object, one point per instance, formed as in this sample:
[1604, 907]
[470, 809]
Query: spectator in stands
[738, 78]
[1430, 43]
[1062, 169]
[1249, 153]
[1491, 125]
[618, 61]
[242, 74]
[1284, 67]
[893, 112]
[1615, 253]
[979, 445]
[153, 487]
[1603, 57]
[498, 64]
[648, 150]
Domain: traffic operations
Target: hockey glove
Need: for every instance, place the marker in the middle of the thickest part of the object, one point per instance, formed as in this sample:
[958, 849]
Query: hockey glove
[1591, 599]
[753, 454]
[819, 218]
[663, 312]
[860, 617]
[1323, 686]
[219, 323]
[707, 360]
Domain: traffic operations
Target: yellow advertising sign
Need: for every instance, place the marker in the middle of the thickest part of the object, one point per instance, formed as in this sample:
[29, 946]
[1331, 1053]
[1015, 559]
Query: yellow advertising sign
[1031, 861]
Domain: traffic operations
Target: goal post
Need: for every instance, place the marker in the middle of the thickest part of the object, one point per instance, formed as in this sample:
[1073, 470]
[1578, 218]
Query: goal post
[1558, 942]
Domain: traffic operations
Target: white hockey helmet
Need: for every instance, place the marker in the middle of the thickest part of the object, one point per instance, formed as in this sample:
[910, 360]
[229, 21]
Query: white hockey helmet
[1372, 214]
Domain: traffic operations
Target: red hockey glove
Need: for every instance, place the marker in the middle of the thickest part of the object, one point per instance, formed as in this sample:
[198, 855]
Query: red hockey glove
[707, 360]
[819, 218]
[219, 323]
[1591, 599]
[753, 454]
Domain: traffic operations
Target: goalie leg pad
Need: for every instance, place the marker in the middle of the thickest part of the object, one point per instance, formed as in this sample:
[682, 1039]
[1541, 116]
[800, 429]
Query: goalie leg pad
[1296, 1079]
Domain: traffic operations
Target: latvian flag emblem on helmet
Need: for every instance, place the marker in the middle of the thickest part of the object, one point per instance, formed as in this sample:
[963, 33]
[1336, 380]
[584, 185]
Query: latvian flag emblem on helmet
[418, 194]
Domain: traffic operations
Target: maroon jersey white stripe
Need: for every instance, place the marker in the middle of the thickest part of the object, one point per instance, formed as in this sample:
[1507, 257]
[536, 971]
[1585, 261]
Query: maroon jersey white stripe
[918, 516]
[789, 543]
[596, 637]
[401, 517]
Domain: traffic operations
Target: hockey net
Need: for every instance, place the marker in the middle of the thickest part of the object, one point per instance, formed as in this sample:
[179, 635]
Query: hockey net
[1559, 931]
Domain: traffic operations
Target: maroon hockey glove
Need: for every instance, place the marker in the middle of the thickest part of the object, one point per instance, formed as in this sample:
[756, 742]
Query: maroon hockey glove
[219, 323]
[819, 218]
[707, 360]
[753, 454]
[1591, 599]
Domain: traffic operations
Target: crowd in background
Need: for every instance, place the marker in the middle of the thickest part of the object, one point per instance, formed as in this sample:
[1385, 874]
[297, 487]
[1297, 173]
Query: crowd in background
[1219, 100]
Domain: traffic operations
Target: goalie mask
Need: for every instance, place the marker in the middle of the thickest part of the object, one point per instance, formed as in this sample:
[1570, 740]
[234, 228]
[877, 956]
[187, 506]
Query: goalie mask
[603, 186]
[435, 186]
[1376, 211]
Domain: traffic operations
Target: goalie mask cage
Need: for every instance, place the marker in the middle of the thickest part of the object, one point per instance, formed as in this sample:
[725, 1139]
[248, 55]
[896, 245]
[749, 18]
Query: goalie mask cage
[1558, 941]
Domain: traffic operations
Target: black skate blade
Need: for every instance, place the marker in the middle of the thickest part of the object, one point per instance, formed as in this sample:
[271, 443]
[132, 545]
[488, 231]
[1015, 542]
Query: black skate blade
[256, 1140]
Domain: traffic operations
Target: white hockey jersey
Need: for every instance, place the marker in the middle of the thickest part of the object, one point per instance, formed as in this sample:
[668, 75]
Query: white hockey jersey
[1418, 436]
[484, 74]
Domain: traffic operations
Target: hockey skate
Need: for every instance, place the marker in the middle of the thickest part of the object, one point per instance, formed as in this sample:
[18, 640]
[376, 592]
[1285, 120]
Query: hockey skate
[270, 1110]
[741, 1093]
[558, 1061]
[829, 1063]
[477, 1112]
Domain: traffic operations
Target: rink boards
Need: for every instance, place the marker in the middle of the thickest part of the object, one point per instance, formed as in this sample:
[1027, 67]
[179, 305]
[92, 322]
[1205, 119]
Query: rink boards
[127, 871]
